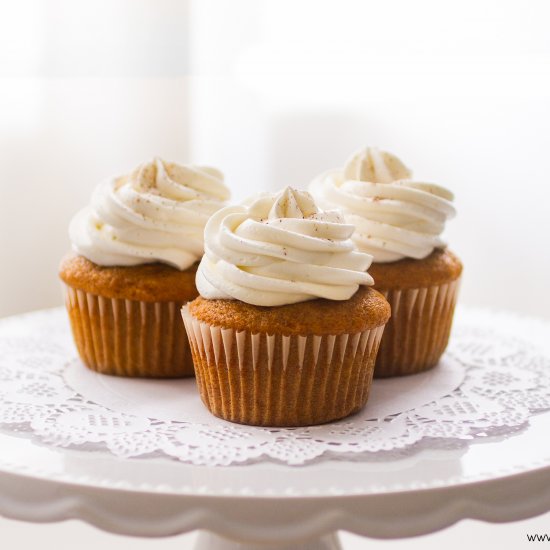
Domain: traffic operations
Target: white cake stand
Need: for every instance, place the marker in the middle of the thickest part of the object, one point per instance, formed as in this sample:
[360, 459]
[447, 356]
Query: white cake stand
[247, 506]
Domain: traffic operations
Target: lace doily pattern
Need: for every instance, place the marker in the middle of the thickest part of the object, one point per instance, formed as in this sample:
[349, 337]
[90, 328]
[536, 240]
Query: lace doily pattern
[507, 380]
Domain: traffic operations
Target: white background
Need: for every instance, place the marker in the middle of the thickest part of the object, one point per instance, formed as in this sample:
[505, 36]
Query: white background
[273, 92]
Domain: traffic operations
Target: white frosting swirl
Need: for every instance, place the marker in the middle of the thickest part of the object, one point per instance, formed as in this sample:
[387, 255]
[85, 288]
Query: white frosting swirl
[395, 216]
[281, 249]
[156, 214]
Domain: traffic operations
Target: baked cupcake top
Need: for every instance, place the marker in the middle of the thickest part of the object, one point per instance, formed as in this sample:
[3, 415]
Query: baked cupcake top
[278, 250]
[157, 213]
[395, 216]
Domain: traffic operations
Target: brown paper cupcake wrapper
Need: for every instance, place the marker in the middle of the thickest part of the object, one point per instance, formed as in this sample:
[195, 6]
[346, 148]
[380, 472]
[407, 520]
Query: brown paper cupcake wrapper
[276, 380]
[127, 337]
[418, 332]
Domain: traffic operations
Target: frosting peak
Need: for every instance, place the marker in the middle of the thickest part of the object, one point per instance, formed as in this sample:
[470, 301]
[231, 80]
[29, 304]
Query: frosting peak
[157, 213]
[178, 182]
[395, 216]
[291, 203]
[281, 249]
[371, 164]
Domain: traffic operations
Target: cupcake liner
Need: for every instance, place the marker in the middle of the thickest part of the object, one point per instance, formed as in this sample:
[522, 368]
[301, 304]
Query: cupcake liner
[418, 331]
[276, 380]
[128, 337]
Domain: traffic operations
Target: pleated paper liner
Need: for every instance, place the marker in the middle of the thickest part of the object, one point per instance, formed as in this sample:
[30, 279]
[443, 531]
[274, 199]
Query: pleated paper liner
[275, 380]
[127, 337]
[418, 331]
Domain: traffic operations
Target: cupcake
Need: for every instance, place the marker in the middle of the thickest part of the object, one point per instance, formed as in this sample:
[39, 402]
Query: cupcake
[399, 222]
[135, 254]
[286, 328]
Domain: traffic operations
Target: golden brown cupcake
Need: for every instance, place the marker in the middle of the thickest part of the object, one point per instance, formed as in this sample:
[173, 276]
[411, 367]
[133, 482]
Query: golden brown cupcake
[399, 222]
[422, 294]
[136, 250]
[125, 320]
[286, 330]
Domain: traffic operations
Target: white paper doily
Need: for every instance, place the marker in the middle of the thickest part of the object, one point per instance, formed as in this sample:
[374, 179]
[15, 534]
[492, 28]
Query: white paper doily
[179, 400]
[489, 383]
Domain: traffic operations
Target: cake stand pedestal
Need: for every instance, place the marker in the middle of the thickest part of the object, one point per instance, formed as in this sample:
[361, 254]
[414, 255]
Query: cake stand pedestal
[211, 541]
